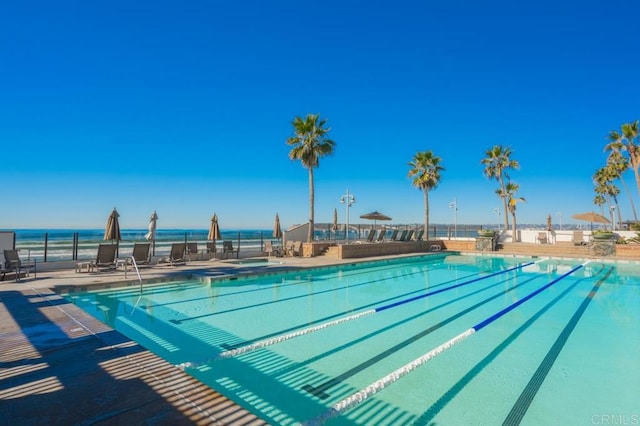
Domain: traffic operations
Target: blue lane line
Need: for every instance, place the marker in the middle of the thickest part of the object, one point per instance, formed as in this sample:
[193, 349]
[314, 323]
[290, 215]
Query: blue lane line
[431, 293]
[375, 387]
[281, 338]
[509, 308]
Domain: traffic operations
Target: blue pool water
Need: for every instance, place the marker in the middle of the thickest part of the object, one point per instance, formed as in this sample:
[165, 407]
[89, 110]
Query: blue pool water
[543, 341]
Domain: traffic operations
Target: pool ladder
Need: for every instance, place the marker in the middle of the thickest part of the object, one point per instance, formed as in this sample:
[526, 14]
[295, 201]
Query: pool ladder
[135, 266]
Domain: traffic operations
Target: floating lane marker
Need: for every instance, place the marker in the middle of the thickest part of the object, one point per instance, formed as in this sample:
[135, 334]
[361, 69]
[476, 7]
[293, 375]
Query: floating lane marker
[358, 397]
[278, 339]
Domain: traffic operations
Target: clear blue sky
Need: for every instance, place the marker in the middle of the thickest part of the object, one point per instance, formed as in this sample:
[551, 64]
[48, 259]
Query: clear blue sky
[184, 107]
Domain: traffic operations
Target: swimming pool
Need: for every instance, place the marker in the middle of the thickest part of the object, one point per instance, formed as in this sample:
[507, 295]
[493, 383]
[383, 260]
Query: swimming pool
[448, 339]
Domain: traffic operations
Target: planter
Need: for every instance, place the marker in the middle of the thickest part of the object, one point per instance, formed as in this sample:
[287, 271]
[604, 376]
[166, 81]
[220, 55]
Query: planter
[486, 233]
[602, 235]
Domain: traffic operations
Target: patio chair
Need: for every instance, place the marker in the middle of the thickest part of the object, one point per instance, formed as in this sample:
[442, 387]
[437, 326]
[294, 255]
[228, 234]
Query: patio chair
[192, 251]
[176, 255]
[403, 236]
[13, 263]
[419, 235]
[211, 249]
[270, 249]
[227, 248]
[394, 235]
[381, 235]
[372, 233]
[296, 248]
[409, 235]
[578, 238]
[542, 238]
[142, 254]
[105, 259]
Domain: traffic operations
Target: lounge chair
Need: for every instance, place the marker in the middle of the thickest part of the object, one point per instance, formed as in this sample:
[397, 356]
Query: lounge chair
[372, 233]
[211, 249]
[403, 236]
[227, 248]
[394, 235]
[419, 235]
[13, 263]
[542, 238]
[192, 251]
[409, 235]
[176, 256]
[578, 238]
[105, 259]
[381, 235]
[141, 253]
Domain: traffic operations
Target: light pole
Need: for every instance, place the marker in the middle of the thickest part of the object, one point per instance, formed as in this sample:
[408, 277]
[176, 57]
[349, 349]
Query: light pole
[560, 216]
[613, 216]
[454, 205]
[347, 199]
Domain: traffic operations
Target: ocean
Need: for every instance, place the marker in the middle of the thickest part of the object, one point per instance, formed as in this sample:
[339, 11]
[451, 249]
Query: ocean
[58, 244]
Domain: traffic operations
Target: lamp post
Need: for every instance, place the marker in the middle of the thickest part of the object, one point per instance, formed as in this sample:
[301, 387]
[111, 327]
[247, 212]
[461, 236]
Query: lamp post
[560, 216]
[613, 216]
[347, 199]
[454, 205]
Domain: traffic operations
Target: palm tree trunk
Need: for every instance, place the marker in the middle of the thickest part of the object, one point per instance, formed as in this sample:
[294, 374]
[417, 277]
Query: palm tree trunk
[515, 236]
[311, 207]
[504, 204]
[626, 189]
[426, 213]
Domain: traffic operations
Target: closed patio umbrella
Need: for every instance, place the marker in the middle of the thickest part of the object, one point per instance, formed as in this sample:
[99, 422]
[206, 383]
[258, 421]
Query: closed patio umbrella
[277, 230]
[151, 235]
[112, 229]
[214, 229]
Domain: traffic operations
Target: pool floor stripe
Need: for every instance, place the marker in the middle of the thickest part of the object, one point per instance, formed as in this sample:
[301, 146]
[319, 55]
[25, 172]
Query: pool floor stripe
[228, 346]
[287, 299]
[320, 390]
[360, 396]
[284, 337]
[521, 406]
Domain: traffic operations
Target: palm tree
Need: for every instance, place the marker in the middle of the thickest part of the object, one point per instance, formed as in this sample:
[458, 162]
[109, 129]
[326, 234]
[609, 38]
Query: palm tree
[619, 164]
[425, 171]
[511, 189]
[310, 141]
[626, 141]
[603, 179]
[496, 166]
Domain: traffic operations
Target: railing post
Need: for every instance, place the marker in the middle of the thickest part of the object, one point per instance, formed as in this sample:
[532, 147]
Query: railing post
[74, 248]
[46, 242]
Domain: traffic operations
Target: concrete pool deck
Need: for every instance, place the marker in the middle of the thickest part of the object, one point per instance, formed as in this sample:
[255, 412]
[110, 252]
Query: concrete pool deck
[59, 365]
